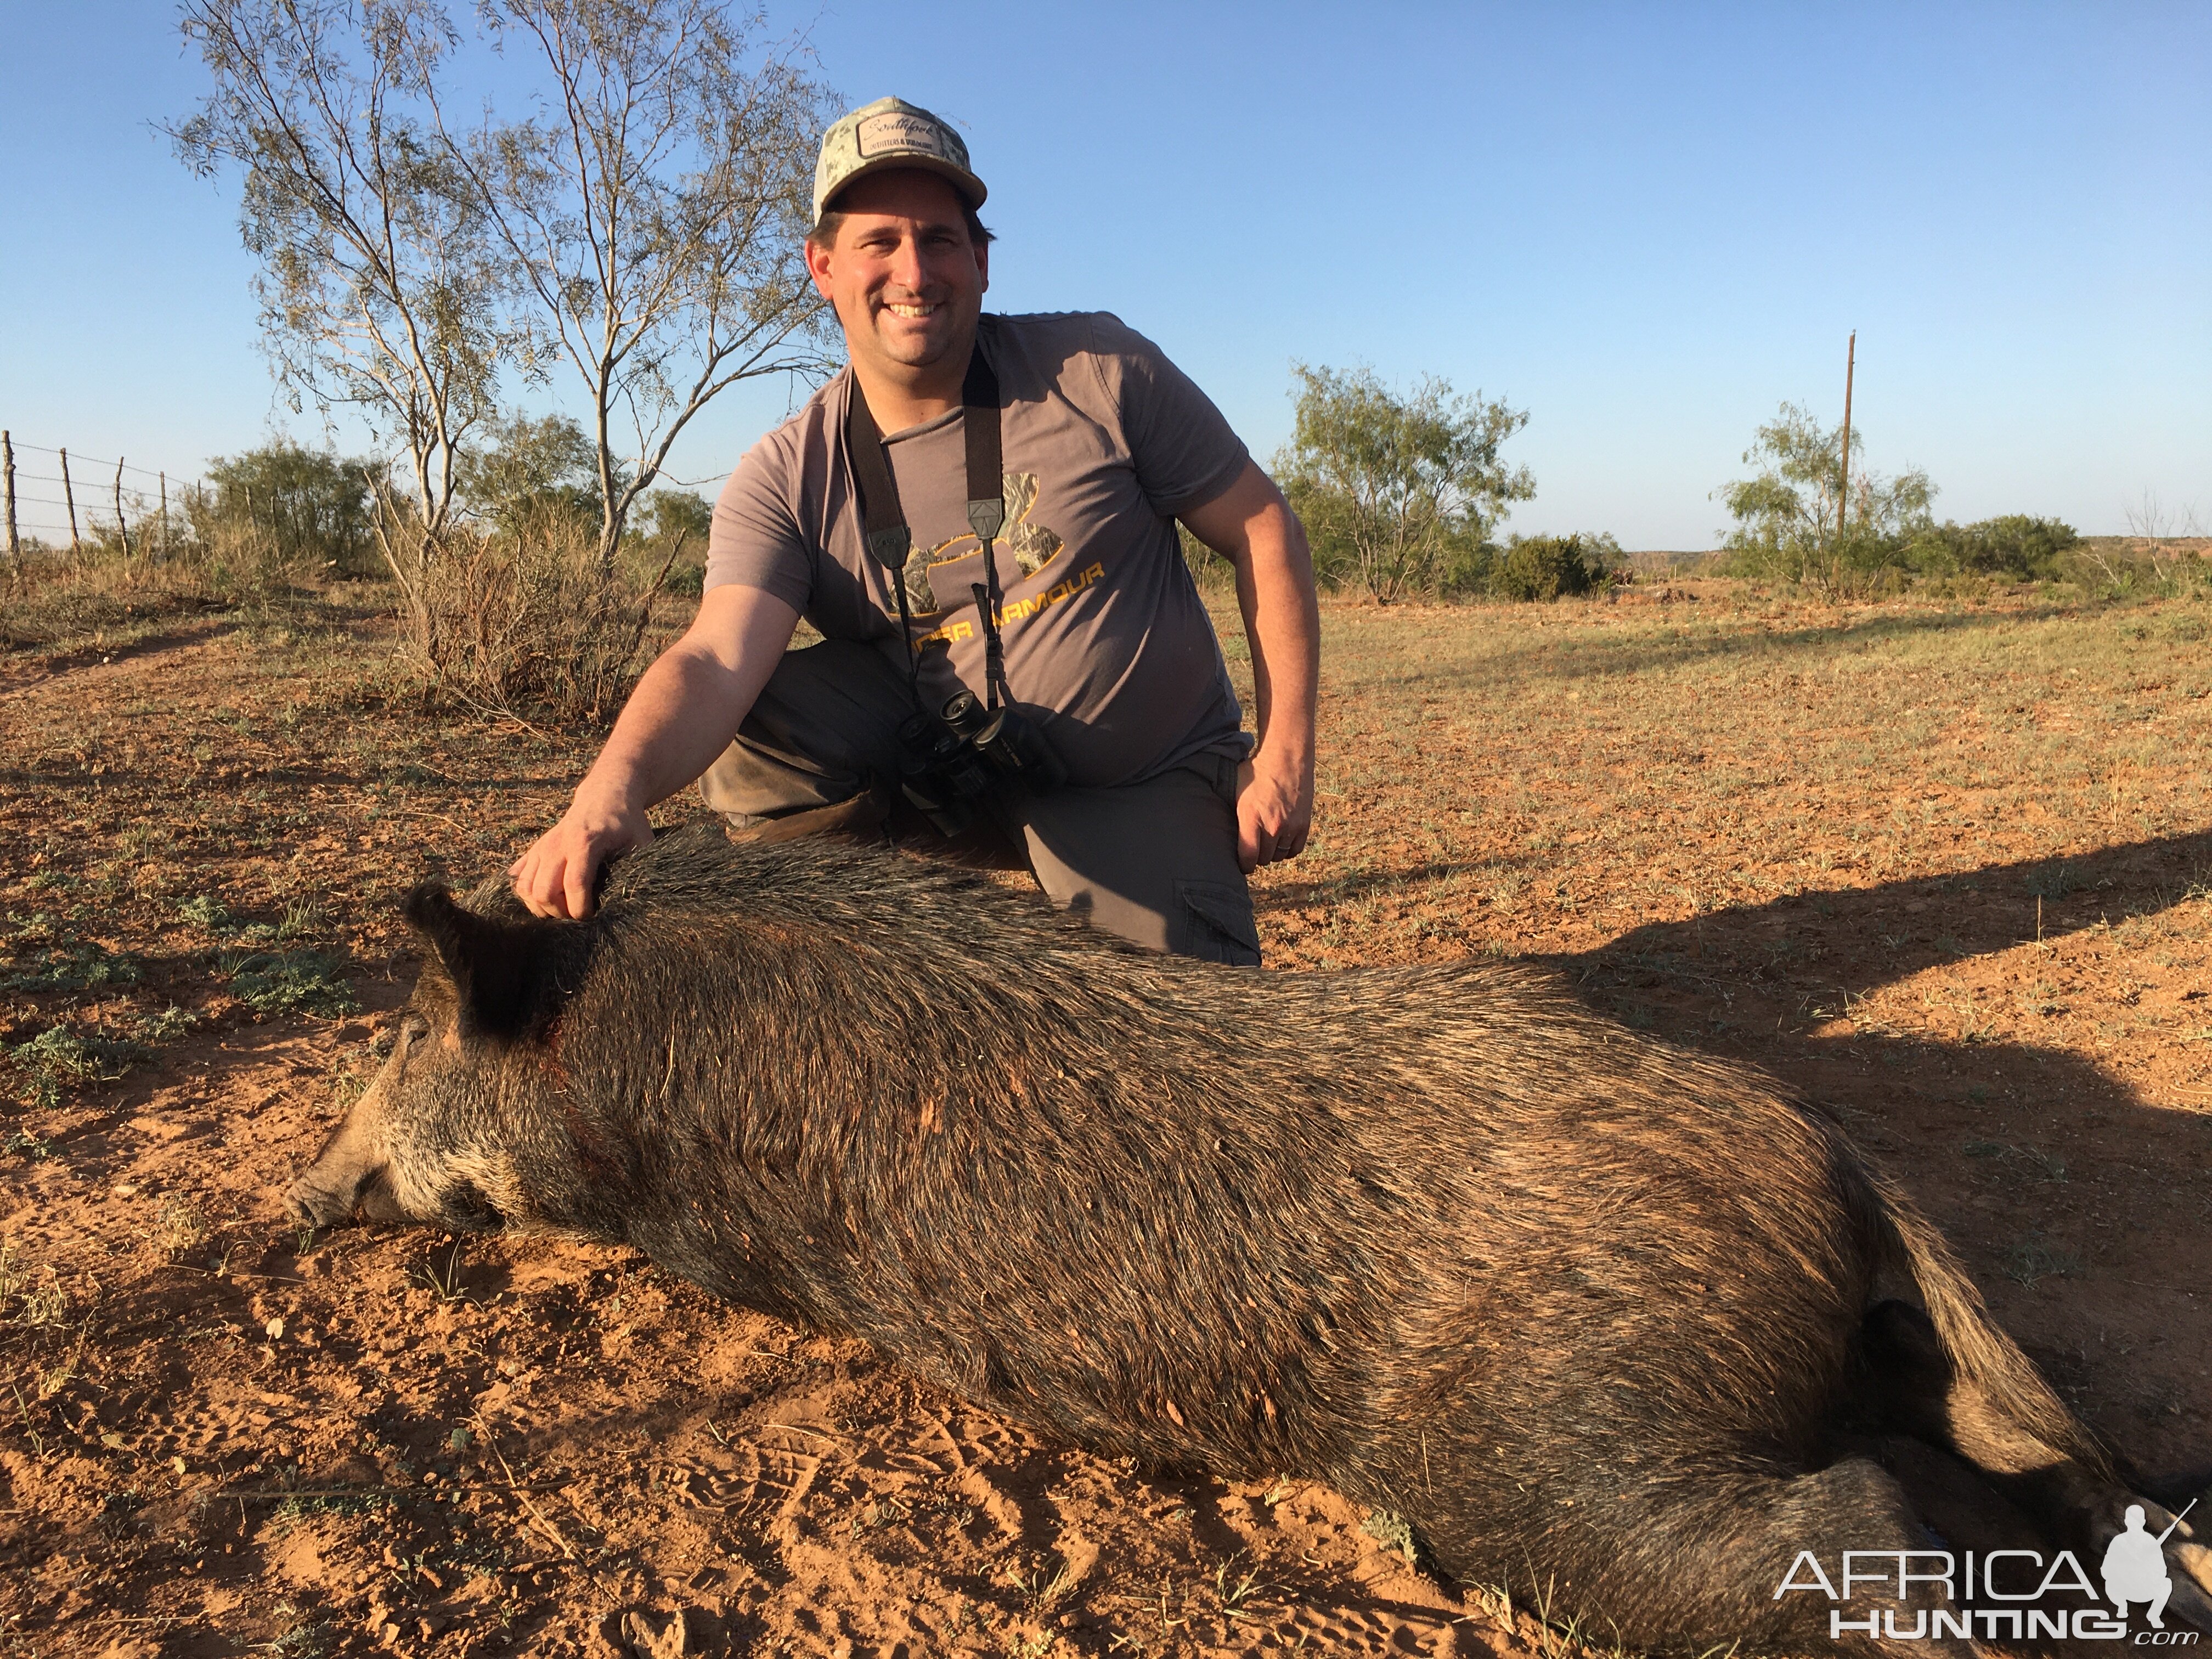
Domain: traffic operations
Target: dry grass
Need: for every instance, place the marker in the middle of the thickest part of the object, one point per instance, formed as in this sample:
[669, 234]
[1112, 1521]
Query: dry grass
[517, 624]
[1945, 864]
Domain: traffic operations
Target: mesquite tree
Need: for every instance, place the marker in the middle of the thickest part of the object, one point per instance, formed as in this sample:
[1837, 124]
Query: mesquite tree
[382, 285]
[652, 213]
[1787, 522]
[640, 227]
[1387, 487]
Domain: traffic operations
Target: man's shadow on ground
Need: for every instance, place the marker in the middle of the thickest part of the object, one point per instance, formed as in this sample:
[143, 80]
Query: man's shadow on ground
[2081, 1208]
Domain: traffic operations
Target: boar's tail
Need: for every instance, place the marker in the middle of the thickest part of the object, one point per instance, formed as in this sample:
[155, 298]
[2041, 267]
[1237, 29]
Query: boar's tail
[1993, 1398]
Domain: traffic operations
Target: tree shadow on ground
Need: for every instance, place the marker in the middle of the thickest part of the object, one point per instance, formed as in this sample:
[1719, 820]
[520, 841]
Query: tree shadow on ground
[2079, 1206]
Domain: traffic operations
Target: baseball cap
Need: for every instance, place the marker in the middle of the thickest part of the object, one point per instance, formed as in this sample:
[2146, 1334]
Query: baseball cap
[891, 133]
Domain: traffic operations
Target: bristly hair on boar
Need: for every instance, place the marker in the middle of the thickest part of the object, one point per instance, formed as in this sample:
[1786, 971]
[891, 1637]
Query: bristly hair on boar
[1602, 1319]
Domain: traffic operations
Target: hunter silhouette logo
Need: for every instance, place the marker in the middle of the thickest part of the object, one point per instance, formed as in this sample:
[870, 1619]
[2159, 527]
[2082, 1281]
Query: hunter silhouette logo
[2134, 1566]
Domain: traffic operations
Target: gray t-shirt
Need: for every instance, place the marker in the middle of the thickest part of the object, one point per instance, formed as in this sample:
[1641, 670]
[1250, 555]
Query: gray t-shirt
[1104, 441]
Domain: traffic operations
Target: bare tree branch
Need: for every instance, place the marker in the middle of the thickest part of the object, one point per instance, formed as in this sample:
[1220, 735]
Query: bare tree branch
[382, 287]
[654, 218]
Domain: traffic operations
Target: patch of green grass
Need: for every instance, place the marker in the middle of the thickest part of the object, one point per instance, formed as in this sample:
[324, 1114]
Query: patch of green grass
[1393, 1531]
[27, 1302]
[2029, 1164]
[2036, 1257]
[303, 1507]
[2055, 882]
[290, 982]
[25, 1144]
[57, 1060]
[304, 1637]
[205, 912]
[46, 961]
[168, 1025]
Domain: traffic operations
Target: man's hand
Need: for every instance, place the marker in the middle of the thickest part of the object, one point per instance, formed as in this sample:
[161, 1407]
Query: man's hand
[555, 877]
[1251, 525]
[1274, 813]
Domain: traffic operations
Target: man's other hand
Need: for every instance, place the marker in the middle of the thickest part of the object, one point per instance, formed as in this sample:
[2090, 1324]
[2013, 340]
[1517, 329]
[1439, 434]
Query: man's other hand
[1274, 812]
[555, 877]
[1252, 526]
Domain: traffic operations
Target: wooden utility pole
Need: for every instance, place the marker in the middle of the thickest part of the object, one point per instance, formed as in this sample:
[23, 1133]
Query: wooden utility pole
[1844, 495]
[8, 472]
[122, 527]
[69, 500]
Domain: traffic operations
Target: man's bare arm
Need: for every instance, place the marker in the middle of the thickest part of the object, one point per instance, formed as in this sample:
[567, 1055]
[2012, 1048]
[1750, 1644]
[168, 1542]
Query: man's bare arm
[684, 712]
[1252, 526]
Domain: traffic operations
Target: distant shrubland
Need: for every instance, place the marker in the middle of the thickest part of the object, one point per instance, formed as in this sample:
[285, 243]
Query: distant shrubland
[1793, 525]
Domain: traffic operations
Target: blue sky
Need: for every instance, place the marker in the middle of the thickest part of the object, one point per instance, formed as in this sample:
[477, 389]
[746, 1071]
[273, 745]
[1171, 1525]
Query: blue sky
[1646, 225]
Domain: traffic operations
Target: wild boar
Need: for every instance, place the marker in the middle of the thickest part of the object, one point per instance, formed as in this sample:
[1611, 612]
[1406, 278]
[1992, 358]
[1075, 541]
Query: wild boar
[1599, 1318]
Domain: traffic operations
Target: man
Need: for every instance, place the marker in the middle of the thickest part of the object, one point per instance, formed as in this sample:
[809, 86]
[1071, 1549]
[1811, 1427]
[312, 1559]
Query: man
[1108, 653]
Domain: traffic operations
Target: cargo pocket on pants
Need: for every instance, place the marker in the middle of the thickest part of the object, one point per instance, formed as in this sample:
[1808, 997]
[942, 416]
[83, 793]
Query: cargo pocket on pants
[1217, 924]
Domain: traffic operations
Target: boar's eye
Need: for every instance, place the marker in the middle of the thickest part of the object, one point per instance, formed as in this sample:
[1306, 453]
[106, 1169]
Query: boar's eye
[413, 1029]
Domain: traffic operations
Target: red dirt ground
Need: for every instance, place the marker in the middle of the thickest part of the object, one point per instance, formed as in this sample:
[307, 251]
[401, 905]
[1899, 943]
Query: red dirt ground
[1945, 868]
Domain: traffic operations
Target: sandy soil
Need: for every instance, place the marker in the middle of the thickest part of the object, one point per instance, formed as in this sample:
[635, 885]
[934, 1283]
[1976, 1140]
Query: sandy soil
[1945, 868]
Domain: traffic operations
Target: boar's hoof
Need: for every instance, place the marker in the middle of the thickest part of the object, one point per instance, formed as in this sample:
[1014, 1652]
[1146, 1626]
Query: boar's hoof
[311, 1206]
[640, 1634]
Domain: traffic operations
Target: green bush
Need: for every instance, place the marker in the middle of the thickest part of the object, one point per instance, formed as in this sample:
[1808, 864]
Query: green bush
[56, 1060]
[532, 470]
[1545, 568]
[1212, 573]
[1469, 566]
[671, 528]
[2013, 545]
[282, 509]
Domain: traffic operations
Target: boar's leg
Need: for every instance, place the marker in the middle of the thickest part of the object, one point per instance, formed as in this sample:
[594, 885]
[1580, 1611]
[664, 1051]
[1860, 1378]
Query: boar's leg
[1688, 1560]
[2082, 1505]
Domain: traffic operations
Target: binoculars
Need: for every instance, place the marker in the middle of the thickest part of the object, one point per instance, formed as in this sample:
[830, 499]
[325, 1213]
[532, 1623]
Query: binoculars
[949, 761]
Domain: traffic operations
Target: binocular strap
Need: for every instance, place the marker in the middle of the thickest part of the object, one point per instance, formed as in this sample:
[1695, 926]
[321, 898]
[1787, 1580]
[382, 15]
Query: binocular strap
[882, 520]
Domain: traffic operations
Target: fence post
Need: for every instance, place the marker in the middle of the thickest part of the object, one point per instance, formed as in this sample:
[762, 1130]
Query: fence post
[1844, 495]
[121, 526]
[69, 499]
[8, 472]
[165, 517]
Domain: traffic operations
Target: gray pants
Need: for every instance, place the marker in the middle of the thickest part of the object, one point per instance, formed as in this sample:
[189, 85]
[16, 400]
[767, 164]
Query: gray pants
[1155, 862]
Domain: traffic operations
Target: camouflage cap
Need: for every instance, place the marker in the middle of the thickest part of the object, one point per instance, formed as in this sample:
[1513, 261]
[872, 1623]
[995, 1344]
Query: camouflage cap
[891, 133]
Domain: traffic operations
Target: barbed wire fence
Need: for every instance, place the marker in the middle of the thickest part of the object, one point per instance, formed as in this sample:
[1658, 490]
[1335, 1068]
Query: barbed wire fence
[72, 498]
[57, 503]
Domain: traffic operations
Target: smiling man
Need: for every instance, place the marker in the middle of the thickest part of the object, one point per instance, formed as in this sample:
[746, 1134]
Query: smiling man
[983, 505]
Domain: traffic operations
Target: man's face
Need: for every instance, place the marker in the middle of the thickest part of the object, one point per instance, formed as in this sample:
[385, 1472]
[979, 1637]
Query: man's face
[907, 282]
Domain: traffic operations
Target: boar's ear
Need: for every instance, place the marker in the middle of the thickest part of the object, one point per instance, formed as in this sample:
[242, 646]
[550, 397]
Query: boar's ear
[511, 975]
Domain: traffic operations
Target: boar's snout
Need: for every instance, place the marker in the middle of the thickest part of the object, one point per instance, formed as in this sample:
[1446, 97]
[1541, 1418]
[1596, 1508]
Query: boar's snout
[324, 1197]
[350, 1179]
